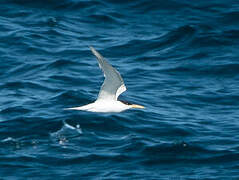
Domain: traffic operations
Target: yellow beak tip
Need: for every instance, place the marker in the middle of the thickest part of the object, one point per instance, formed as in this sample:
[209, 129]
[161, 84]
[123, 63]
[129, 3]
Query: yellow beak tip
[137, 106]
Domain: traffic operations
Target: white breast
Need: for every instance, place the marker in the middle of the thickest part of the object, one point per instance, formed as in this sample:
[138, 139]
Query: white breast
[107, 106]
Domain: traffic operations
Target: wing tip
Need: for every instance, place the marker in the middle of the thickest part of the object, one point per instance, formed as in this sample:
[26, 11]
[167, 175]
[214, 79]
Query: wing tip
[92, 49]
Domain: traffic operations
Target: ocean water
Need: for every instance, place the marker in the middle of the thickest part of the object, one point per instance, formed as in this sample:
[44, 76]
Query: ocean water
[180, 59]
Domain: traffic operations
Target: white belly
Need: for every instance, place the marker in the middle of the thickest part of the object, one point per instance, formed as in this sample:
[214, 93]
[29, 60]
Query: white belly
[108, 106]
[103, 106]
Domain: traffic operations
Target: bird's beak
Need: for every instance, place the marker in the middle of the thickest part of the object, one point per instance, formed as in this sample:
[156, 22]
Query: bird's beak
[137, 106]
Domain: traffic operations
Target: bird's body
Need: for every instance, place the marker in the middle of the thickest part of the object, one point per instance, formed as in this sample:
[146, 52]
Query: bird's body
[103, 106]
[112, 87]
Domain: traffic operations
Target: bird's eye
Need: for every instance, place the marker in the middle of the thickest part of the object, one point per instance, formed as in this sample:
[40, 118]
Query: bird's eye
[125, 102]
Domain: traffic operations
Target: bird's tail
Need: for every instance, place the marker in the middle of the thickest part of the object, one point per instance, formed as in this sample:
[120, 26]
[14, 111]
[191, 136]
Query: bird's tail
[82, 108]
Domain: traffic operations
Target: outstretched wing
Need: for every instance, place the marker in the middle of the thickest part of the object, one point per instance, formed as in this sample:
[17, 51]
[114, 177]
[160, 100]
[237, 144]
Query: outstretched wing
[113, 84]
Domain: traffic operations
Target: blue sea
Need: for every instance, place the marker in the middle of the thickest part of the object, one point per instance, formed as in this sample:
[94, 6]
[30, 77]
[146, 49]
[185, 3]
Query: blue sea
[179, 59]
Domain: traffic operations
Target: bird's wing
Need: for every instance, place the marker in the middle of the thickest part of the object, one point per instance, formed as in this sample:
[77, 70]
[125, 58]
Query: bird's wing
[113, 84]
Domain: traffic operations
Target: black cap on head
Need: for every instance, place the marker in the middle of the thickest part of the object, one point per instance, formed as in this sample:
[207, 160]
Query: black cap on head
[125, 102]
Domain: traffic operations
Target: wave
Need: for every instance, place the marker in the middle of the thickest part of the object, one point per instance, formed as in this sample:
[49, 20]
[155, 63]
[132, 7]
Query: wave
[222, 70]
[179, 59]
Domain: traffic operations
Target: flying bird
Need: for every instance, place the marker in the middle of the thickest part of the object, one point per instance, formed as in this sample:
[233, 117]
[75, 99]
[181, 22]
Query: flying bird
[112, 87]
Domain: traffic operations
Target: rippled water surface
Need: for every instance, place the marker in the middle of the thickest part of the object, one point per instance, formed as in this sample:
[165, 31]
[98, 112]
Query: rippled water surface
[179, 59]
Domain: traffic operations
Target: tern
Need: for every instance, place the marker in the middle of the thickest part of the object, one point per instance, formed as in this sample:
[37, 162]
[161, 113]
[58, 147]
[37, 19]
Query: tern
[111, 88]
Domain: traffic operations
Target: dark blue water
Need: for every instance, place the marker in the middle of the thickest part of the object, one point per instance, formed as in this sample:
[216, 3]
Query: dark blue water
[180, 59]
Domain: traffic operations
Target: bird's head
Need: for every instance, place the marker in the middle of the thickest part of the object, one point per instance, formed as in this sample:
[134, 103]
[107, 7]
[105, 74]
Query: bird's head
[135, 106]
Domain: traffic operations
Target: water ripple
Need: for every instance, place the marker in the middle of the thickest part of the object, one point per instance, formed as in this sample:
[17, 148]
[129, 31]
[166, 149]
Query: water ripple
[178, 59]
